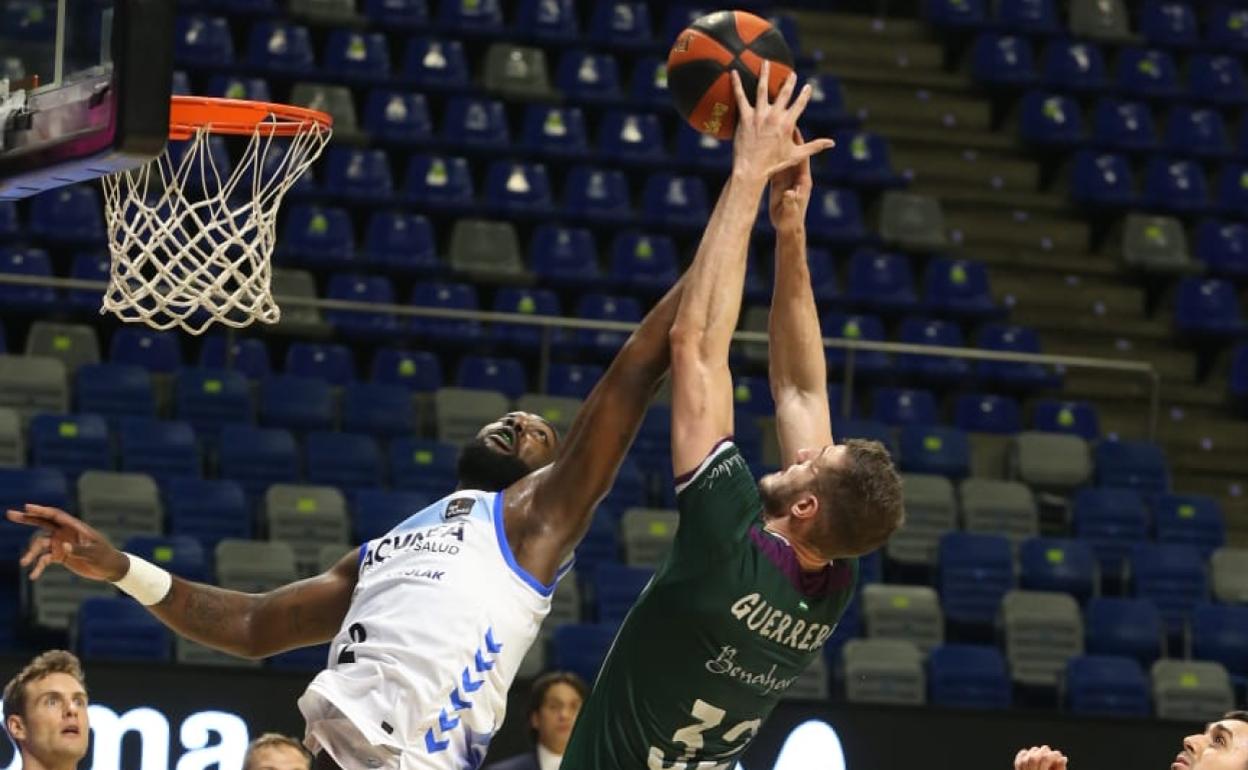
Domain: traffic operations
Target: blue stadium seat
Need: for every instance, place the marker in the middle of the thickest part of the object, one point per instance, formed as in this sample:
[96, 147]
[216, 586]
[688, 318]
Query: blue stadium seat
[616, 588]
[644, 261]
[208, 511]
[482, 17]
[1029, 17]
[572, 380]
[1050, 120]
[630, 489]
[596, 194]
[209, 398]
[1194, 520]
[1207, 307]
[446, 295]
[478, 123]
[239, 87]
[380, 410]
[958, 287]
[1173, 577]
[1106, 686]
[1198, 132]
[588, 77]
[296, 403]
[1101, 180]
[420, 465]
[356, 56]
[402, 241]
[163, 449]
[1071, 65]
[1239, 373]
[377, 511]
[71, 443]
[109, 628]
[415, 370]
[1127, 627]
[356, 287]
[974, 572]
[439, 182]
[358, 175]
[326, 361]
[1168, 24]
[904, 406]
[566, 256]
[625, 136]
[513, 189]
[581, 648]
[881, 281]
[857, 327]
[1126, 126]
[344, 460]
[182, 555]
[1058, 564]
[861, 159]
[968, 676]
[399, 117]
[1148, 74]
[984, 413]
[30, 262]
[935, 449]
[280, 48]
[318, 235]
[824, 283]
[505, 375]
[201, 41]
[752, 396]
[827, 108]
[621, 24]
[835, 216]
[1139, 465]
[956, 14]
[19, 486]
[1220, 632]
[548, 21]
[68, 215]
[554, 130]
[158, 352]
[652, 447]
[436, 64]
[10, 226]
[932, 332]
[1217, 79]
[1233, 189]
[1227, 28]
[1112, 521]
[604, 307]
[88, 266]
[674, 200]
[1077, 417]
[649, 83]
[114, 390]
[255, 458]
[512, 299]
[1018, 339]
[248, 356]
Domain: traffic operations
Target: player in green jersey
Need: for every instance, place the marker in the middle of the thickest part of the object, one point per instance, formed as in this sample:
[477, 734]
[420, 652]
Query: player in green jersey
[760, 571]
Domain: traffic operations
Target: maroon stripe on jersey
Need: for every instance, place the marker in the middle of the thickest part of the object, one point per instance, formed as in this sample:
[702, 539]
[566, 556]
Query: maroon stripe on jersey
[833, 578]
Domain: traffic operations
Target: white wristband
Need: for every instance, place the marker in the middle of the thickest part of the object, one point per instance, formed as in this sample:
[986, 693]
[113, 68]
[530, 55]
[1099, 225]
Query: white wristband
[146, 582]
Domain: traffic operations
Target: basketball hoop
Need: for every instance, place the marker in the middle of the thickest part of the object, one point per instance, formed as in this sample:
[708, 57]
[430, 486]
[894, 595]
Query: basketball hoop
[192, 244]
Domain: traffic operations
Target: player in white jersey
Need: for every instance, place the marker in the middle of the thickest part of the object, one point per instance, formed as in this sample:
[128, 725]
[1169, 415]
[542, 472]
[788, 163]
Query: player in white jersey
[429, 623]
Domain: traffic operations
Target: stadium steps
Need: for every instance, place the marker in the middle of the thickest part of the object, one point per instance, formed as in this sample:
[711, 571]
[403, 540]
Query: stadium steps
[986, 171]
[955, 194]
[1039, 261]
[840, 26]
[1019, 229]
[937, 136]
[1048, 290]
[910, 107]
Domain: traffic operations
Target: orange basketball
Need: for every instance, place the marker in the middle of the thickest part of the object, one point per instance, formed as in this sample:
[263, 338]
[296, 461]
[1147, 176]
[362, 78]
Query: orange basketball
[702, 57]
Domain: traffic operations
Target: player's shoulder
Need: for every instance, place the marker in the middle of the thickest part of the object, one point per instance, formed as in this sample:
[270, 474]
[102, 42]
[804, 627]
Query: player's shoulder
[724, 459]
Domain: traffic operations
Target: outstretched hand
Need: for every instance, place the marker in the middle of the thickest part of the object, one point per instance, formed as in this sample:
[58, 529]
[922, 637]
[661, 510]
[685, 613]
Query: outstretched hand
[65, 540]
[767, 141]
[1040, 758]
[789, 195]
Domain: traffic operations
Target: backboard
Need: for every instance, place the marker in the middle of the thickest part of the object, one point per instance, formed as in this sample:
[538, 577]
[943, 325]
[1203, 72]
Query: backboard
[84, 89]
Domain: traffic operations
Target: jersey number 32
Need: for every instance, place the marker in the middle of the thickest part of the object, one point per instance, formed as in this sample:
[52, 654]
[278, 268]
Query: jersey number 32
[709, 717]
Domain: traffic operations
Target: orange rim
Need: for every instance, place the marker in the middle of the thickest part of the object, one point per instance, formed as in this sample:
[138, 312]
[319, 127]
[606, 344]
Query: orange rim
[188, 114]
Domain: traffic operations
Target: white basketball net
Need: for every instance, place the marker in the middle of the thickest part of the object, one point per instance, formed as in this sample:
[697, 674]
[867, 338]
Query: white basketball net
[192, 247]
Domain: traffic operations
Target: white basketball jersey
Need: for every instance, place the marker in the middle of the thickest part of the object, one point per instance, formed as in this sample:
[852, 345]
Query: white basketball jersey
[441, 617]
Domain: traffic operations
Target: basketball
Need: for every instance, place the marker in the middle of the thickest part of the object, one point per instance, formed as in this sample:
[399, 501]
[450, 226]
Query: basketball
[703, 56]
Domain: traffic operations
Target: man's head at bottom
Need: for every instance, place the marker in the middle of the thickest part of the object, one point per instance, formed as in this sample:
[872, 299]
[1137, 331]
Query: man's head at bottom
[1222, 746]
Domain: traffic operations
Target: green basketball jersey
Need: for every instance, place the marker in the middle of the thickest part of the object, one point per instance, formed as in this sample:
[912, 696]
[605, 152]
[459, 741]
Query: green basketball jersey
[724, 628]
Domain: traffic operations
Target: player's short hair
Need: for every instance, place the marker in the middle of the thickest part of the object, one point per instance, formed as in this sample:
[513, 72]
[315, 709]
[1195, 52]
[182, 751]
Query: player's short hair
[50, 662]
[542, 685]
[272, 741]
[863, 499]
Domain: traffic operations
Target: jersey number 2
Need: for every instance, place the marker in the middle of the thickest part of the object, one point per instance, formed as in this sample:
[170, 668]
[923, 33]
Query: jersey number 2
[709, 717]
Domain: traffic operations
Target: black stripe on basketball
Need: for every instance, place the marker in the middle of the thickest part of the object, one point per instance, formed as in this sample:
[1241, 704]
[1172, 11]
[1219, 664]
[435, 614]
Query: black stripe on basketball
[771, 45]
[696, 77]
[722, 28]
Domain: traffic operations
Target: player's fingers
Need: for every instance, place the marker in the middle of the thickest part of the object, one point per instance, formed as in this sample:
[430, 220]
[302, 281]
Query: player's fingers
[799, 105]
[814, 147]
[40, 566]
[37, 547]
[738, 90]
[764, 78]
[21, 517]
[786, 91]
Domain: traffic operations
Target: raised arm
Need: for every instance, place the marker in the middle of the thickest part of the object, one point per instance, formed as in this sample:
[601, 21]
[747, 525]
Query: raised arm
[303, 613]
[796, 363]
[701, 383]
